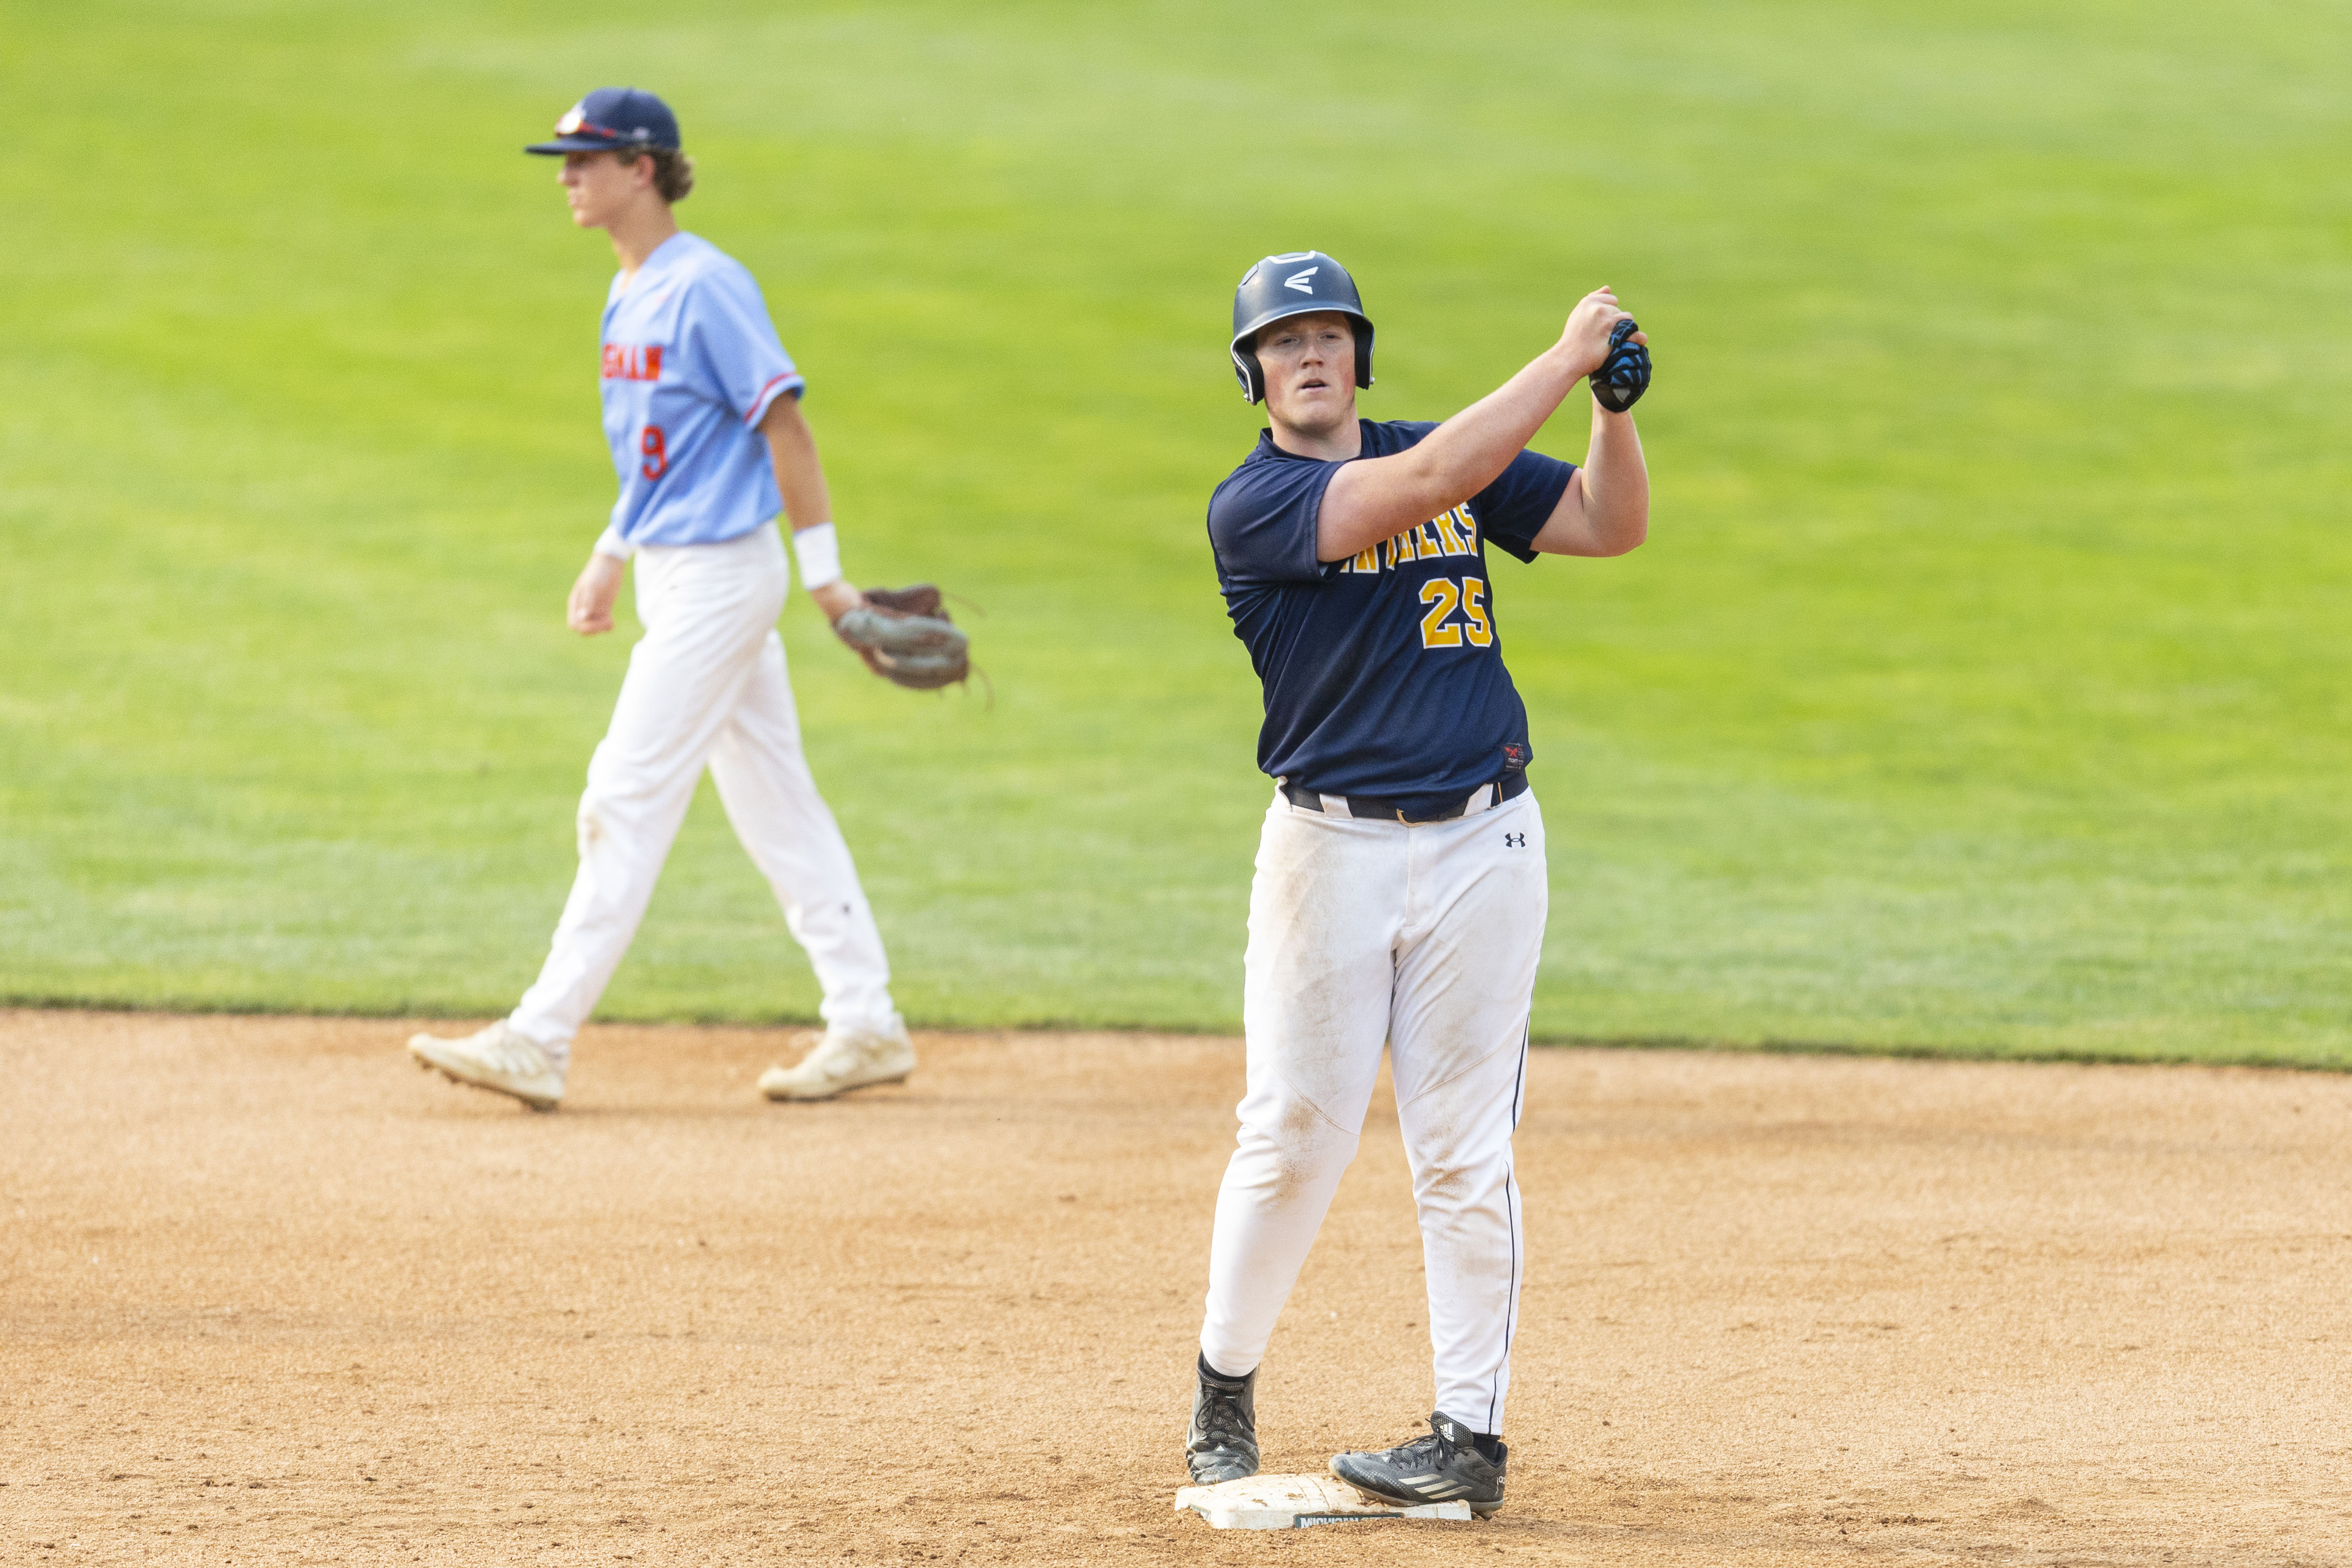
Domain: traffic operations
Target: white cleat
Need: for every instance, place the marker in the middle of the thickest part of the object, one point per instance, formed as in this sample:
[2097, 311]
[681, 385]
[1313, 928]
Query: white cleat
[495, 1058]
[843, 1059]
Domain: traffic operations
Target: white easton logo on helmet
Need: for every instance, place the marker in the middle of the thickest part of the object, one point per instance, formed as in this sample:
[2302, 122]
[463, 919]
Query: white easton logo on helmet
[1298, 281]
[570, 120]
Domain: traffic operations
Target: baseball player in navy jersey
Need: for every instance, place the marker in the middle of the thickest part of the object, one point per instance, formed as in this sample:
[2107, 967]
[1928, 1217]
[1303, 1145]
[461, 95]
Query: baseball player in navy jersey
[702, 410]
[1399, 892]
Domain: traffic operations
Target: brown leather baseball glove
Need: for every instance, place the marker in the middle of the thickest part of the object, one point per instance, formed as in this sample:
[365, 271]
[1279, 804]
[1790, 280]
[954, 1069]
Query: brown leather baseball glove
[905, 637]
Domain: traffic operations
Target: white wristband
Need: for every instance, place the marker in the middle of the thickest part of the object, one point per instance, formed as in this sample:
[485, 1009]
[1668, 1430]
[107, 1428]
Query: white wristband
[819, 551]
[610, 542]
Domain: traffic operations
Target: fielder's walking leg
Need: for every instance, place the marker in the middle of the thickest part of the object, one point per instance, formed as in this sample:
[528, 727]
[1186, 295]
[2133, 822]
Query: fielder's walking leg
[708, 608]
[788, 830]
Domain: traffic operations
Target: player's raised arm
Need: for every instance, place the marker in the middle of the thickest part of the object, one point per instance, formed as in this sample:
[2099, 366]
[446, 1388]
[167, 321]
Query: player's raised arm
[1606, 510]
[1378, 497]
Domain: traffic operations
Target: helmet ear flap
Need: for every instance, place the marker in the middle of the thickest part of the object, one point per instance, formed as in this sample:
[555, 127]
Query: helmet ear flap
[1250, 373]
[1364, 352]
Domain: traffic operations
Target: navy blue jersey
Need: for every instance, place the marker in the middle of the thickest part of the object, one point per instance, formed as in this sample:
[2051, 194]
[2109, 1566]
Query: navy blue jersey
[1383, 672]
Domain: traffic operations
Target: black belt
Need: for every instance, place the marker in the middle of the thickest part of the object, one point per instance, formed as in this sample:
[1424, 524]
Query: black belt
[1378, 808]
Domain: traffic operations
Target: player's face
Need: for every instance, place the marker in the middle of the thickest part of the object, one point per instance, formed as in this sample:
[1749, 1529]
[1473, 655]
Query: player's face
[599, 186]
[1310, 370]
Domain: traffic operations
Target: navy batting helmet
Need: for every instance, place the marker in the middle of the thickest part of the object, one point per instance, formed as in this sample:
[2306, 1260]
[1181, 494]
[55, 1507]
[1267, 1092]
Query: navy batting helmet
[1292, 284]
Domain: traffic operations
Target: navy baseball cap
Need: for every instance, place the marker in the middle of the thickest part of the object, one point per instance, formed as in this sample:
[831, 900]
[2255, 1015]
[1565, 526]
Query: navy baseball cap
[611, 118]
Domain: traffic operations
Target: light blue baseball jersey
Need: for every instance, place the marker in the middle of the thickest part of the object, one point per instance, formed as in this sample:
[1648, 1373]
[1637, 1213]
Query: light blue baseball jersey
[691, 364]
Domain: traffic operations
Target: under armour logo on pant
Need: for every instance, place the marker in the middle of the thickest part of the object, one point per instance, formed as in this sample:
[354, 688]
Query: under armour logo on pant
[1515, 840]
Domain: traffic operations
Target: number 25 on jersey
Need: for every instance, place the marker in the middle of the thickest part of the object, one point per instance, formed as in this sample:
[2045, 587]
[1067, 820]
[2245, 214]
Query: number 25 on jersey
[1444, 595]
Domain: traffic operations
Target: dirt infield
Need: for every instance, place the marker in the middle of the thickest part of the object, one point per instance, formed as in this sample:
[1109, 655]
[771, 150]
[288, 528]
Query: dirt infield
[271, 1295]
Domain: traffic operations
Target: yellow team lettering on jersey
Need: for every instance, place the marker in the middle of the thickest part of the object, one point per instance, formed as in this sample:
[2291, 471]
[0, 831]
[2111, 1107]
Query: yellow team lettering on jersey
[1455, 534]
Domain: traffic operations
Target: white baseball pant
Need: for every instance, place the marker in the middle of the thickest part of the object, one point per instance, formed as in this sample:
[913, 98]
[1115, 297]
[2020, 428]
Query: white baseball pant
[707, 685]
[1426, 938]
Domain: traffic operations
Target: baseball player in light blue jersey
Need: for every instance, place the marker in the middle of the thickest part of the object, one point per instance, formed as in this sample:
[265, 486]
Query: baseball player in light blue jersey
[702, 410]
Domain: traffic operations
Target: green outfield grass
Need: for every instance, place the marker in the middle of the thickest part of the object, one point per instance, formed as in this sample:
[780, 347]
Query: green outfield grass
[1983, 687]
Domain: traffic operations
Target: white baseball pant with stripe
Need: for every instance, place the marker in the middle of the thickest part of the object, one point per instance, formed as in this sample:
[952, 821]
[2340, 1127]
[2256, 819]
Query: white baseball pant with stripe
[707, 687]
[1425, 937]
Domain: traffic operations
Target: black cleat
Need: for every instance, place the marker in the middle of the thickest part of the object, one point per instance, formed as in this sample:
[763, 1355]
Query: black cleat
[1439, 1468]
[1222, 1443]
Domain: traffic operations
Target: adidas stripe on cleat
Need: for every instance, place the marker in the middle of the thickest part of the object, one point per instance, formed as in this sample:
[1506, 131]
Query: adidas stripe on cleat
[1439, 1468]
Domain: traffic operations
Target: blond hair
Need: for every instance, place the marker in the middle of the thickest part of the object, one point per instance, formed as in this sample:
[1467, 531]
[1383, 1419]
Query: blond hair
[673, 170]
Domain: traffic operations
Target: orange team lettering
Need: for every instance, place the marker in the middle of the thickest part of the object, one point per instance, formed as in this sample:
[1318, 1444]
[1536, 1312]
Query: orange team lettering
[633, 361]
